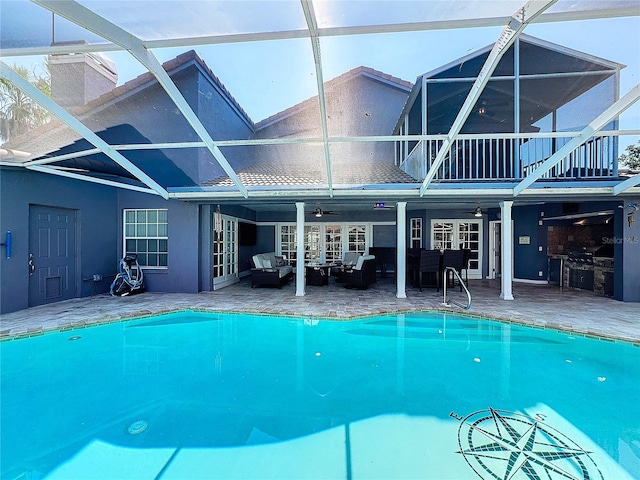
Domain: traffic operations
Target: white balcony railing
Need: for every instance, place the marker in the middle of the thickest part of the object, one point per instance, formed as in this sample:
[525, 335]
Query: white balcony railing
[511, 157]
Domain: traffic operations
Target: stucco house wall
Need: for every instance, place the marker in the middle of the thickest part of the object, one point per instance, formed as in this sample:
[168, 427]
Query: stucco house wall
[96, 230]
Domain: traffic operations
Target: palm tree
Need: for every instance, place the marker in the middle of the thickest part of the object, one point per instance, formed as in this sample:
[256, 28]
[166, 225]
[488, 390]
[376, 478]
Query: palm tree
[19, 113]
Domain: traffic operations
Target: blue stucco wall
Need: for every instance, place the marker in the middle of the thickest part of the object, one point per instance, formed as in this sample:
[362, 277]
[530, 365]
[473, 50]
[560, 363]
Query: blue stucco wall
[183, 271]
[266, 235]
[357, 105]
[147, 114]
[529, 259]
[223, 121]
[384, 236]
[630, 243]
[97, 236]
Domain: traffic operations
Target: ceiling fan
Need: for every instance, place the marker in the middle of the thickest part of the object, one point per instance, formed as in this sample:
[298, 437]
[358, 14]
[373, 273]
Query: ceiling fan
[477, 212]
[318, 212]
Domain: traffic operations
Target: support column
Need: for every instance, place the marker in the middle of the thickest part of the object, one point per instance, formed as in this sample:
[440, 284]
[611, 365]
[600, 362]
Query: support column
[300, 249]
[506, 256]
[401, 250]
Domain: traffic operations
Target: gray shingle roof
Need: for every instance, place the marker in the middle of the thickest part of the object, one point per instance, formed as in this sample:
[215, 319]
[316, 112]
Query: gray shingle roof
[294, 174]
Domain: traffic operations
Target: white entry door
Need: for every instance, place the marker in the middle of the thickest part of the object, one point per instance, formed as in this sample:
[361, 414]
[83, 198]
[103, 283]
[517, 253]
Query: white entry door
[225, 252]
[456, 234]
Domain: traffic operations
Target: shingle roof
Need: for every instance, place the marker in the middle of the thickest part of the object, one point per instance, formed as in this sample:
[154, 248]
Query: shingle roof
[294, 174]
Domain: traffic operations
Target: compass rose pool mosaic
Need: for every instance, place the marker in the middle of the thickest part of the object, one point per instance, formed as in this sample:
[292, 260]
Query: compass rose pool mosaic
[435, 395]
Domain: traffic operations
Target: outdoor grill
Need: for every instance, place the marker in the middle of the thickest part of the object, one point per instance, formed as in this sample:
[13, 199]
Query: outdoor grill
[581, 255]
[585, 255]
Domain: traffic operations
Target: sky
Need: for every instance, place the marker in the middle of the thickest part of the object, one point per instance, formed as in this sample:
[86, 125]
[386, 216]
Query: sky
[270, 76]
[267, 77]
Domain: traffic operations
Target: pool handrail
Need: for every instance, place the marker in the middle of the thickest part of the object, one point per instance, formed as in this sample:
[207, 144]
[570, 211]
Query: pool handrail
[444, 290]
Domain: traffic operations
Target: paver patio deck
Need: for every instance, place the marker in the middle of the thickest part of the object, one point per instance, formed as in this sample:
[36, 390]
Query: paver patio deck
[539, 305]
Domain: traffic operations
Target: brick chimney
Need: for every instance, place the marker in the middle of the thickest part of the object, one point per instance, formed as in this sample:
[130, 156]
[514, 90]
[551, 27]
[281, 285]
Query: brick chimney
[78, 78]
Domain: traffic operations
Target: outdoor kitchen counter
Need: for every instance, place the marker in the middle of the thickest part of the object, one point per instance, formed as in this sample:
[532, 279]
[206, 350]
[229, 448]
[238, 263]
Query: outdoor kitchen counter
[591, 273]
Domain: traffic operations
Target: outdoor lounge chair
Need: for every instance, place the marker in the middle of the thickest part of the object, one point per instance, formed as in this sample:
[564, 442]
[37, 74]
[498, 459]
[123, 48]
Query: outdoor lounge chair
[362, 274]
[348, 262]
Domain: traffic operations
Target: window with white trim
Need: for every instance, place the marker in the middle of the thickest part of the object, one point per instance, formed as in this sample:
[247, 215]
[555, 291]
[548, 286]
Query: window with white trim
[416, 233]
[146, 234]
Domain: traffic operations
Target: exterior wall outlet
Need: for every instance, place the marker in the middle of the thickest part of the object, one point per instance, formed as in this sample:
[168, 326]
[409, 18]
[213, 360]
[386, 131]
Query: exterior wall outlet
[540, 248]
[540, 273]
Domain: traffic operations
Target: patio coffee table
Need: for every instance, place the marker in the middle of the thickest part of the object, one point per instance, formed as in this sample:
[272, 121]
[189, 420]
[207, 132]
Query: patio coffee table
[317, 274]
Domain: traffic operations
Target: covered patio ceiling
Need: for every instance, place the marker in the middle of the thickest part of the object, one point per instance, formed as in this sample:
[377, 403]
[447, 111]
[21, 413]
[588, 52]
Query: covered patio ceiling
[272, 55]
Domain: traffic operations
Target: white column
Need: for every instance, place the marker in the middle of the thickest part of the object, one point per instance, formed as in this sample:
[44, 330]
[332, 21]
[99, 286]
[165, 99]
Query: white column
[507, 250]
[401, 250]
[300, 249]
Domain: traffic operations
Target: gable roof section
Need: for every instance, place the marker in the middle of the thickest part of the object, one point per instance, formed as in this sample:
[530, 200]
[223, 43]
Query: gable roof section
[56, 134]
[606, 64]
[417, 87]
[368, 72]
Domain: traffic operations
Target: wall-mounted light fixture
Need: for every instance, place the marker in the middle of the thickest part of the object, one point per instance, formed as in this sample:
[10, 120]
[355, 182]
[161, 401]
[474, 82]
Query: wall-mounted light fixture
[478, 212]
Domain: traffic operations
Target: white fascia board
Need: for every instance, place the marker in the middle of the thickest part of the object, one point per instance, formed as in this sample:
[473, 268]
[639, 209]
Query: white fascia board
[52, 170]
[86, 18]
[518, 21]
[594, 127]
[627, 184]
[71, 121]
[407, 192]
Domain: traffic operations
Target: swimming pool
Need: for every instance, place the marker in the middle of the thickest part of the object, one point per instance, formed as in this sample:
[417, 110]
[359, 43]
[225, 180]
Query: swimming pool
[419, 395]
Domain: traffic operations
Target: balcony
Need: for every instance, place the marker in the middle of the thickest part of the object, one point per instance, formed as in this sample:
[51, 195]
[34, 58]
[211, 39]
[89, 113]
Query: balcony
[510, 157]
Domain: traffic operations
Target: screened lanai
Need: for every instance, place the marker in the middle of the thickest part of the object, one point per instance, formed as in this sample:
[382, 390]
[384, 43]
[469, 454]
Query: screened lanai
[271, 56]
[261, 104]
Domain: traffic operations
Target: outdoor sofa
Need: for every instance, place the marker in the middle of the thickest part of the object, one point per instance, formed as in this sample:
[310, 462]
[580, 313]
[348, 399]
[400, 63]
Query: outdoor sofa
[270, 270]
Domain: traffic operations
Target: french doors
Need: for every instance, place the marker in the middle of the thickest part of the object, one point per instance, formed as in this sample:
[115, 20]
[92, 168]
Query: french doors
[225, 252]
[326, 242]
[460, 234]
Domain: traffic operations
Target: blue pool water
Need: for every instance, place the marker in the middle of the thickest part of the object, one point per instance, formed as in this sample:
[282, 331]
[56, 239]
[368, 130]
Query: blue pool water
[420, 395]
